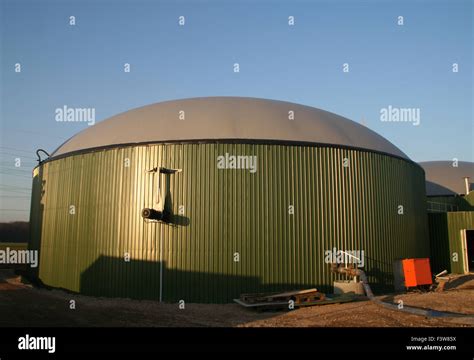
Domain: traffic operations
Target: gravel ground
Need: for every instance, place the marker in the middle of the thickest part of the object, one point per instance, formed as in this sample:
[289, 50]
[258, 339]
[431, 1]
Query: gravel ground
[22, 305]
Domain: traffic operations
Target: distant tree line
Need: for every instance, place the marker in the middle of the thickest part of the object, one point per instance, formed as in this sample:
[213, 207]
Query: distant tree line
[18, 231]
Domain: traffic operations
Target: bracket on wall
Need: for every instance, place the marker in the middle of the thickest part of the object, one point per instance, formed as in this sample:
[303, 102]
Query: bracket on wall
[163, 170]
[164, 208]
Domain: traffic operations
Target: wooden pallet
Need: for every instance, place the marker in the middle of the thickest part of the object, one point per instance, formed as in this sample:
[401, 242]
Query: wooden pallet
[268, 305]
[299, 297]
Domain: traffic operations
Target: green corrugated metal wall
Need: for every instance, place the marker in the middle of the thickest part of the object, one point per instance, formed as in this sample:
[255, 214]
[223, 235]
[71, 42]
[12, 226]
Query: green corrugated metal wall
[445, 239]
[226, 211]
[439, 242]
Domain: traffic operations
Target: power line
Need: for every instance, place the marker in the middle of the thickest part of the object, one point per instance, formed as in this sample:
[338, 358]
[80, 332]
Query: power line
[25, 164]
[22, 159]
[9, 189]
[15, 168]
[17, 175]
[18, 168]
[15, 192]
[15, 196]
[21, 192]
[34, 133]
[17, 172]
[14, 150]
[17, 155]
[15, 187]
[9, 158]
[13, 172]
[19, 150]
[2, 187]
[26, 210]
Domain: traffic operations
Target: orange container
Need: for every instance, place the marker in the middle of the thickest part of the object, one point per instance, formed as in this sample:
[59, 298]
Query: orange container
[417, 272]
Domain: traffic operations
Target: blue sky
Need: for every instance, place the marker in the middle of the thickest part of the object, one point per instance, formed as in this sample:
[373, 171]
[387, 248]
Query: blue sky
[82, 66]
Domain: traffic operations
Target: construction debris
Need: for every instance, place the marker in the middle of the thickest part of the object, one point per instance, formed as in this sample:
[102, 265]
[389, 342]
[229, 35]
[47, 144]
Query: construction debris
[440, 281]
[290, 299]
[354, 272]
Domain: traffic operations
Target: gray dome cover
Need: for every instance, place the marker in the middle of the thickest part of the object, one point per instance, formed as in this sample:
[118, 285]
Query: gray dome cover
[220, 118]
[443, 179]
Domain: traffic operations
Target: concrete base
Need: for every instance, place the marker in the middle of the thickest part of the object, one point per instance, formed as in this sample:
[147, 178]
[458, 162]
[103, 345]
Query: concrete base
[348, 286]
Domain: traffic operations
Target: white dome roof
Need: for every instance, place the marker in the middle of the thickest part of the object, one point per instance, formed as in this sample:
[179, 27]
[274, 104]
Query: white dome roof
[221, 118]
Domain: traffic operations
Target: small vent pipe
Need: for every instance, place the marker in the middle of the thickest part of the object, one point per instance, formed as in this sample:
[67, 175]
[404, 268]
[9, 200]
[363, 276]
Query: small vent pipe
[466, 183]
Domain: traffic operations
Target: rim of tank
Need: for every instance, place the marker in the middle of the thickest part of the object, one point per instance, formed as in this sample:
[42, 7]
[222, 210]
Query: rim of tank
[226, 141]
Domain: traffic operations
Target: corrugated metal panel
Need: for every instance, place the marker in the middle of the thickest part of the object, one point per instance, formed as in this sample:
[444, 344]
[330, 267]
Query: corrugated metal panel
[225, 212]
[445, 239]
[457, 221]
[439, 242]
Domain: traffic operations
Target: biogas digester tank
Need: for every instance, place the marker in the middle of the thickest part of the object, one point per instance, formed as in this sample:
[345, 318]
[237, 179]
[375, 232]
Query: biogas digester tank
[204, 199]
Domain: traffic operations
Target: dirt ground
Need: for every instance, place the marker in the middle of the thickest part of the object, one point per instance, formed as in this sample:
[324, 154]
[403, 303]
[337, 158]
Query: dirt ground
[23, 305]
